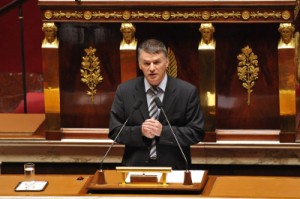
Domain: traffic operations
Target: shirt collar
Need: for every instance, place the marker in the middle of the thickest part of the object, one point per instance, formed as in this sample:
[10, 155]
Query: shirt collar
[162, 86]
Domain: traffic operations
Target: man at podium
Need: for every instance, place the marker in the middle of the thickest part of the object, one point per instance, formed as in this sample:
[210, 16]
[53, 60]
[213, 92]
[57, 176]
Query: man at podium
[152, 138]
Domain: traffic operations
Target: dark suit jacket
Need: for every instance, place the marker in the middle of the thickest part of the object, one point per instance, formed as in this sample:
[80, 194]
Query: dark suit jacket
[182, 107]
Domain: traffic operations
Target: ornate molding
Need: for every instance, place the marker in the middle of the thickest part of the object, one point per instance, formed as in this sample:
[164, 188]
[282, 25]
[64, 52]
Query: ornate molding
[169, 15]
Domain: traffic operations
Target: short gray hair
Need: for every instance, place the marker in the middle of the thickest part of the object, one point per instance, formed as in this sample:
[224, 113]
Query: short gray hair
[152, 46]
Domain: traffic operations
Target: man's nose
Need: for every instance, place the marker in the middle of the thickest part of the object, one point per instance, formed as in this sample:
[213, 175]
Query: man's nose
[152, 67]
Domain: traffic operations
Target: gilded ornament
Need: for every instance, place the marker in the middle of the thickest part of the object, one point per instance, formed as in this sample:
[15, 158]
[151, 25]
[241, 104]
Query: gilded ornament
[146, 15]
[172, 68]
[186, 15]
[126, 15]
[68, 15]
[87, 15]
[246, 15]
[226, 15]
[286, 15]
[50, 40]
[48, 14]
[90, 71]
[107, 15]
[205, 15]
[129, 42]
[166, 15]
[247, 69]
[207, 39]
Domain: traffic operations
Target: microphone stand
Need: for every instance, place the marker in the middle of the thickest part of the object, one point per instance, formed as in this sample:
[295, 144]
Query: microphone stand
[99, 177]
[187, 174]
[4, 9]
[23, 58]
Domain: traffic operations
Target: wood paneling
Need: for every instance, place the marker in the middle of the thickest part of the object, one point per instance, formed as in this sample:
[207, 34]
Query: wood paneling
[238, 24]
[232, 109]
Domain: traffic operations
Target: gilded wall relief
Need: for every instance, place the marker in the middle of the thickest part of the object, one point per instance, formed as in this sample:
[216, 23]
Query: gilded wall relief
[172, 68]
[90, 71]
[247, 69]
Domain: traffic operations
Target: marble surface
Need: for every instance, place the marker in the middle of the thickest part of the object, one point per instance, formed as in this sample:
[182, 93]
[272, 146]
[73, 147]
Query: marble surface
[92, 151]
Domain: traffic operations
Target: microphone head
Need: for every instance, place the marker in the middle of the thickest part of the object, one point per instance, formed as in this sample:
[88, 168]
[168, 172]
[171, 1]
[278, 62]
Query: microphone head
[158, 102]
[137, 104]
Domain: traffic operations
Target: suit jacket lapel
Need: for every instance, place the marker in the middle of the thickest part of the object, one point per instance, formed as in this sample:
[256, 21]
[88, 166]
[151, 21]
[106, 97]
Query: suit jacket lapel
[140, 95]
[169, 97]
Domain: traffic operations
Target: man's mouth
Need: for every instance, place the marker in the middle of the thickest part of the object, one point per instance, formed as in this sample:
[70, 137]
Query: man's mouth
[152, 75]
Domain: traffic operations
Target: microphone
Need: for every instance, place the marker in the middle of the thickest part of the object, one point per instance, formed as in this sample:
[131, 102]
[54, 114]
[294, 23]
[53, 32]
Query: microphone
[187, 176]
[99, 175]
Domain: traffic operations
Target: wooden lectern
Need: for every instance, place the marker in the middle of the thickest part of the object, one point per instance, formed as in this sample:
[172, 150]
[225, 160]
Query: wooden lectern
[145, 179]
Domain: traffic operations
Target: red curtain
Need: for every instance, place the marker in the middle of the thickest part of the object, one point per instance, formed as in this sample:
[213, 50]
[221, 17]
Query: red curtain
[10, 51]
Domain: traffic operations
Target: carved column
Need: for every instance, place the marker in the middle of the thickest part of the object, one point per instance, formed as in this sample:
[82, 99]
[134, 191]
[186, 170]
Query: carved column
[51, 77]
[206, 51]
[287, 79]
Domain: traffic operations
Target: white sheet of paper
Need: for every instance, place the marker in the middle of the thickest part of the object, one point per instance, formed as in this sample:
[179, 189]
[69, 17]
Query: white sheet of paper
[178, 176]
[38, 186]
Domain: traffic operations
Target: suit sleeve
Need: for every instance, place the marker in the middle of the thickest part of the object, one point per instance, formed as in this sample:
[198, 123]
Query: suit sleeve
[122, 106]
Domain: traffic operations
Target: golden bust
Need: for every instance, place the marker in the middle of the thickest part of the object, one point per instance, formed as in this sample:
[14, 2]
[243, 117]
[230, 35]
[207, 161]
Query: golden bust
[207, 41]
[50, 40]
[129, 41]
[287, 35]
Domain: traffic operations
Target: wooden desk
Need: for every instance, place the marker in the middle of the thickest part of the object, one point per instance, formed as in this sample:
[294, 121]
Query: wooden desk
[58, 185]
[217, 187]
[252, 186]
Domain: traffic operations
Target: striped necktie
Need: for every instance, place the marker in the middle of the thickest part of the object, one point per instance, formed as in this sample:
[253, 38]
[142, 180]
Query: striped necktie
[153, 113]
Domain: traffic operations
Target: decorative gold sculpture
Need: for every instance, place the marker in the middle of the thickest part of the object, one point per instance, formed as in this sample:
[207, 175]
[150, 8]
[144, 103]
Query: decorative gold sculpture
[207, 40]
[247, 69]
[287, 35]
[90, 71]
[172, 68]
[129, 41]
[50, 40]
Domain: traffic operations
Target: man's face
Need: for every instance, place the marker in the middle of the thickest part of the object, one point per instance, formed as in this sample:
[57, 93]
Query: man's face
[153, 66]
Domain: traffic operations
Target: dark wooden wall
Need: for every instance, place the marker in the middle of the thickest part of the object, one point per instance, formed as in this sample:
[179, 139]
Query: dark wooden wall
[232, 111]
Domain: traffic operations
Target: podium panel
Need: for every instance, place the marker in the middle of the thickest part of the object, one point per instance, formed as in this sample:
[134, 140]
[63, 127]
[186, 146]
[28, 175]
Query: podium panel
[114, 182]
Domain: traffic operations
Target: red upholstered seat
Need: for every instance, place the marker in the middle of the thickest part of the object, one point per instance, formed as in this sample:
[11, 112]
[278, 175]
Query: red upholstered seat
[35, 103]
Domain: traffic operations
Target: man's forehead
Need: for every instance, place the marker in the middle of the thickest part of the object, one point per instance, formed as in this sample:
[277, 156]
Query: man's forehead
[152, 56]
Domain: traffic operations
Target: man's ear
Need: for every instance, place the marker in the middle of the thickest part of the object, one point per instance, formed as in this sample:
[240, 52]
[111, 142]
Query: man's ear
[167, 63]
[140, 67]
